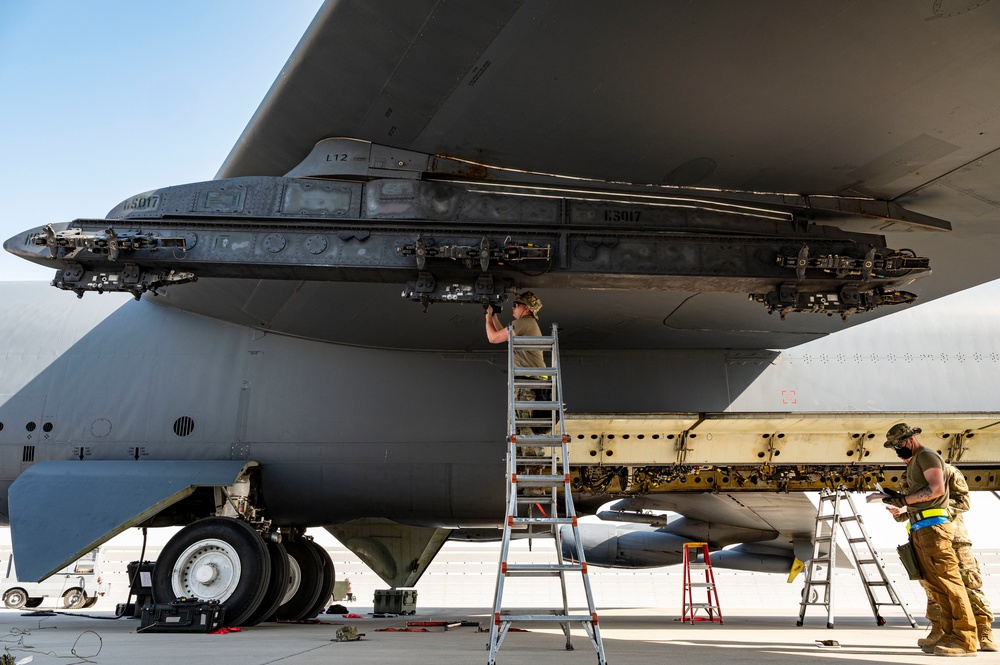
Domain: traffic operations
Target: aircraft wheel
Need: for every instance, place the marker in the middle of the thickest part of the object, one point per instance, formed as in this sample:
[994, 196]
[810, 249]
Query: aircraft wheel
[305, 576]
[216, 558]
[33, 602]
[276, 587]
[15, 598]
[326, 584]
[74, 598]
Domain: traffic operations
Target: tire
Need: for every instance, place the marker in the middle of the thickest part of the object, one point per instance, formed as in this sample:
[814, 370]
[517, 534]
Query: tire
[276, 587]
[74, 598]
[15, 598]
[91, 601]
[216, 558]
[305, 578]
[326, 584]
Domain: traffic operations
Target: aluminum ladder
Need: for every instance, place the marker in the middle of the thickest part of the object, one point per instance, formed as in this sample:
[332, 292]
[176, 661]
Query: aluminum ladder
[711, 604]
[539, 496]
[869, 564]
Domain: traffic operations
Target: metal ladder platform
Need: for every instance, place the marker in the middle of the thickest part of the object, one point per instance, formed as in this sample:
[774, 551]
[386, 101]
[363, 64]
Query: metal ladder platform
[539, 496]
[868, 562]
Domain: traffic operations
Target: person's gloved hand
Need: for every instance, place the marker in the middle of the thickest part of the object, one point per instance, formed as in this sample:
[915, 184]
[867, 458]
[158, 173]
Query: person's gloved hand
[898, 501]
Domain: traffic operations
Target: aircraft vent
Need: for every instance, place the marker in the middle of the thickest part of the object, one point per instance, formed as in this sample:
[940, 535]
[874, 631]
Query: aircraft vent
[183, 426]
[29, 454]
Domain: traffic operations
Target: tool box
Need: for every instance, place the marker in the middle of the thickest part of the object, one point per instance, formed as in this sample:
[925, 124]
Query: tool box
[182, 616]
[396, 601]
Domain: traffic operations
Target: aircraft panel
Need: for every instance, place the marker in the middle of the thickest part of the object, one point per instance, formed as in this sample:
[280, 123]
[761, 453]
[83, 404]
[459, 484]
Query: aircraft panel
[787, 438]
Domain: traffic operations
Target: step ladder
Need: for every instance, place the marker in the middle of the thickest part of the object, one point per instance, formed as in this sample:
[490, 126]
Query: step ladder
[711, 604]
[539, 497]
[835, 511]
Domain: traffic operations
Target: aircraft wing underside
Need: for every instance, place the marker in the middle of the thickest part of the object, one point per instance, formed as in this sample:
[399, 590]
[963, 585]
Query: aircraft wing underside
[887, 107]
[893, 100]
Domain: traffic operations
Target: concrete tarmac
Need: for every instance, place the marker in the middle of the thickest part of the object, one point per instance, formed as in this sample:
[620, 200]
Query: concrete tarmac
[632, 636]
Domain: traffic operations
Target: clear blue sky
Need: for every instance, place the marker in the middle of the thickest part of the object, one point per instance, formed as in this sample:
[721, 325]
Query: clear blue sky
[102, 99]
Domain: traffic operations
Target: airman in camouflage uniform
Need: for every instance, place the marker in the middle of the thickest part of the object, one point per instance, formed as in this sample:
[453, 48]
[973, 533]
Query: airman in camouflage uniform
[959, 503]
[525, 310]
[926, 500]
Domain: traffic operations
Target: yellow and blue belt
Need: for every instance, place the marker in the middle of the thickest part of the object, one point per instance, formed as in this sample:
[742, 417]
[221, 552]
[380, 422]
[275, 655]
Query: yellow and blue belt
[928, 517]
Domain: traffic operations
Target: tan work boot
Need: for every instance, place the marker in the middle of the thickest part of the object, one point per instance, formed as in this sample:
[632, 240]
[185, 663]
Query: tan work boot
[951, 649]
[986, 642]
[932, 638]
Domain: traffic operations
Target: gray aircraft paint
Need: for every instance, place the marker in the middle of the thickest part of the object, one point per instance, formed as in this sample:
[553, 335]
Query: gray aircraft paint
[939, 356]
[820, 100]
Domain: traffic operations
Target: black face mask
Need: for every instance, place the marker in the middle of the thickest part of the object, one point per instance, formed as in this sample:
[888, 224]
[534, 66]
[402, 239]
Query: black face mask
[903, 452]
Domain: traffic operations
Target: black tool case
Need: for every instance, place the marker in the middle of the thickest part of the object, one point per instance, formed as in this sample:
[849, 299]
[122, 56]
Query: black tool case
[181, 616]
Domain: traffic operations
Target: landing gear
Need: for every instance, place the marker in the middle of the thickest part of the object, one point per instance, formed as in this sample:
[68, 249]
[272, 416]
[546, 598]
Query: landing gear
[216, 558]
[276, 587]
[304, 580]
[326, 585]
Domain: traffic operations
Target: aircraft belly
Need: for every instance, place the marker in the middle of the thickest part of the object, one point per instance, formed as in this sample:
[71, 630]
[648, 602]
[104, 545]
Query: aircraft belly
[436, 491]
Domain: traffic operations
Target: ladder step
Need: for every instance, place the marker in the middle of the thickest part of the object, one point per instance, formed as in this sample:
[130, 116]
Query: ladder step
[536, 371]
[532, 500]
[558, 618]
[541, 481]
[533, 422]
[542, 378]
[537, 405]
[551, 439]
[702, 585]
[543, 520]
[538, 382]
[531, 341]
[539, 462]
[543, 567]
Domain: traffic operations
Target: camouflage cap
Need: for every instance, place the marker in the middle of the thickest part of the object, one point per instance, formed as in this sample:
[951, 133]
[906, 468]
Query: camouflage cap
[531, 301]
[898, 435]
[348, 634]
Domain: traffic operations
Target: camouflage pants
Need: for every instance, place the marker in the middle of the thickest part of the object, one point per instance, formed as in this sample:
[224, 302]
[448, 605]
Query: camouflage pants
[939, 563]
[527, 395]
[969, 569]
